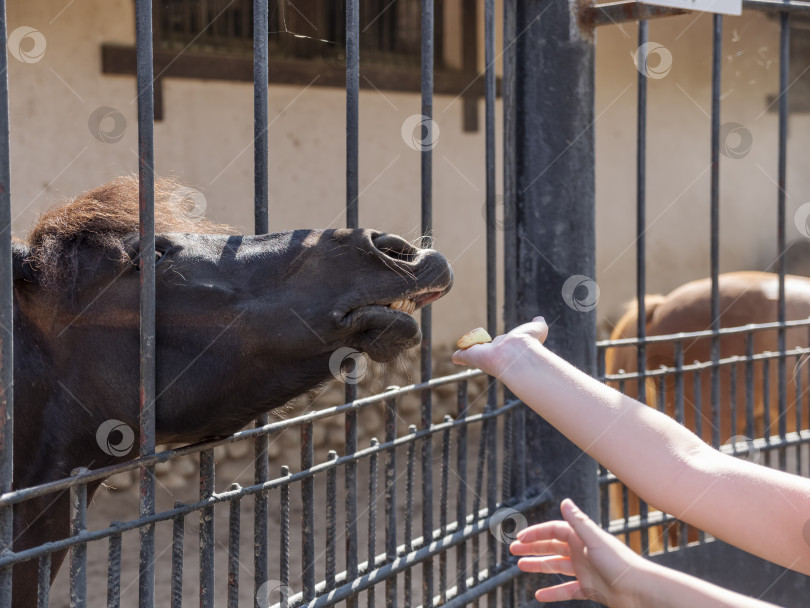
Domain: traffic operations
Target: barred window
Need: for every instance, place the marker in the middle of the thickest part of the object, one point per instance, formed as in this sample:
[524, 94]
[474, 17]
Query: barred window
[299, 29]
[213, 40]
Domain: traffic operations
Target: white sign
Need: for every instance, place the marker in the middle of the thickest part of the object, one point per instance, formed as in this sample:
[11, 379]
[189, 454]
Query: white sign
[727, 7]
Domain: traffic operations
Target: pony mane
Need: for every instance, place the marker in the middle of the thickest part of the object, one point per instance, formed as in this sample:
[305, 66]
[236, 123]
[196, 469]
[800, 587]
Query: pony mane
[102, 217]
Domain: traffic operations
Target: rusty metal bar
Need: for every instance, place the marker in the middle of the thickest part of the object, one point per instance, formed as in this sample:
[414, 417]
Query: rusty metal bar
[6, 322]
[148, 341]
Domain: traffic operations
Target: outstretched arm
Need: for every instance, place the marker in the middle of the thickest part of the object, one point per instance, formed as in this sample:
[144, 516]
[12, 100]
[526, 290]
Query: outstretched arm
[609, 572]
[760, 510]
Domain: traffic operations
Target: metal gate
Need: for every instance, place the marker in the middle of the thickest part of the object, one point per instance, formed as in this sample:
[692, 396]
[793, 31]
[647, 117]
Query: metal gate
[457, 553]
[783, 436]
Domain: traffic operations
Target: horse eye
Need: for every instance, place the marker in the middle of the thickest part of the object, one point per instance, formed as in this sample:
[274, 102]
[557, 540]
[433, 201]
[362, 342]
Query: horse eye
[158, 255]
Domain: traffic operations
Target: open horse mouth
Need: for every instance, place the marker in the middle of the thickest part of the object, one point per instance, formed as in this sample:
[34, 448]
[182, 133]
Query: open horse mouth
[386, 328]
[413, 302]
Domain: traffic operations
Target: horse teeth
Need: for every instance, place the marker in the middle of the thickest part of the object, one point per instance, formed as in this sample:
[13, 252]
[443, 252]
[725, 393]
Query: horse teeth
[406, 306]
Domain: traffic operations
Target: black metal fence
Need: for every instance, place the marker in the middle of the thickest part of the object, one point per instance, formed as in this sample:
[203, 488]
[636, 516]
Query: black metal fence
[738, 381]
[459, 551]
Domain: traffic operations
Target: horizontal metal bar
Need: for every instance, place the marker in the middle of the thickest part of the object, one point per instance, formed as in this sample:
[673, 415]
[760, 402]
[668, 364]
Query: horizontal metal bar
[230, 495]
[777, 6]
[724, 331]
[275, 427]
[635, 523]
[621, 12]
[471, 593]
[704, 365]
[630, 10]
[408, 560]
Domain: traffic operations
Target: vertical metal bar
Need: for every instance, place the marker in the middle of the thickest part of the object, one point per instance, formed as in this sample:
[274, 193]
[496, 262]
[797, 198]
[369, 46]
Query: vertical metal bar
[749, 385]
[698, 405]
[352, 111]
[391, 499]
[427, 340]
[78, 553]
[148, 343]
[409, 482]
[476, 503]
[261, 226]
[732, 399]
[307, 514]
[679, 396]
[284, 545]
[554, 182]
[798, 404]
[44, 581]
[372, 516]
[766, 400]
[717, 49]
[207, 530]
[461, 498]
[784, 65]
[234, 524]
[641, 207]
[662, 406]
[443, 490]
[114, 572]
[6, 322]
[331, 522]
[491, 270]
[352, 221]
[178, 525]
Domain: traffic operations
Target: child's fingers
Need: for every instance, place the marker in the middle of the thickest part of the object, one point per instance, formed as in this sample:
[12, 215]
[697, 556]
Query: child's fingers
[548, 530]
[540, 547]
[555, 564]
[559, 593]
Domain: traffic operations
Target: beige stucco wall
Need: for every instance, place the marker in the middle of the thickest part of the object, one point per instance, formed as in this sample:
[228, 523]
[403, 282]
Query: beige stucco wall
[206, 141]
[678, 154]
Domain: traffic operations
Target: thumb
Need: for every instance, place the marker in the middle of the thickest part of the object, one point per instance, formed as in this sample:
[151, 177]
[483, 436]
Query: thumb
[583, 525]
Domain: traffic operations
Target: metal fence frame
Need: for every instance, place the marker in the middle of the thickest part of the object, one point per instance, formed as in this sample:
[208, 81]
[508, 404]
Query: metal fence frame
[469, 530]
[711, 559]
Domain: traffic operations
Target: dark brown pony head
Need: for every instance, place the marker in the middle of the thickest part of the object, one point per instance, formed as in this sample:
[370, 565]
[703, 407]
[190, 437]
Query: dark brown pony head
[244, 323]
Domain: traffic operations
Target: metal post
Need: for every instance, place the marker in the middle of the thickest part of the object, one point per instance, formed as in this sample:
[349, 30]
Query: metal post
[146, 202]
[552, 144]
[6, 318]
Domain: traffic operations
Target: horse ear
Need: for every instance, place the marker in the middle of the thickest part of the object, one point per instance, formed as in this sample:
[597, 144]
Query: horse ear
[22, 268]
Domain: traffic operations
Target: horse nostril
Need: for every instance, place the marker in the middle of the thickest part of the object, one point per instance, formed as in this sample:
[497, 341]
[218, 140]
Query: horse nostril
[395, 247]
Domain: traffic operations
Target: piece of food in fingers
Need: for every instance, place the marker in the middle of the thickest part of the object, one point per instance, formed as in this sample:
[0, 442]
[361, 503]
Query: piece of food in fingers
[478, 335]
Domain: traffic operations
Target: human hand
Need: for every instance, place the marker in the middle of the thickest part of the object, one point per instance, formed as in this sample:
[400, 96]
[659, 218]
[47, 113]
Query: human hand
[578, 547]
[500, 355]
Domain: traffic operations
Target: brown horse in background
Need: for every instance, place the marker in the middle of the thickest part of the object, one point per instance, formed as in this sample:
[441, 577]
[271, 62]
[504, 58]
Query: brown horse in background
[745, 298]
